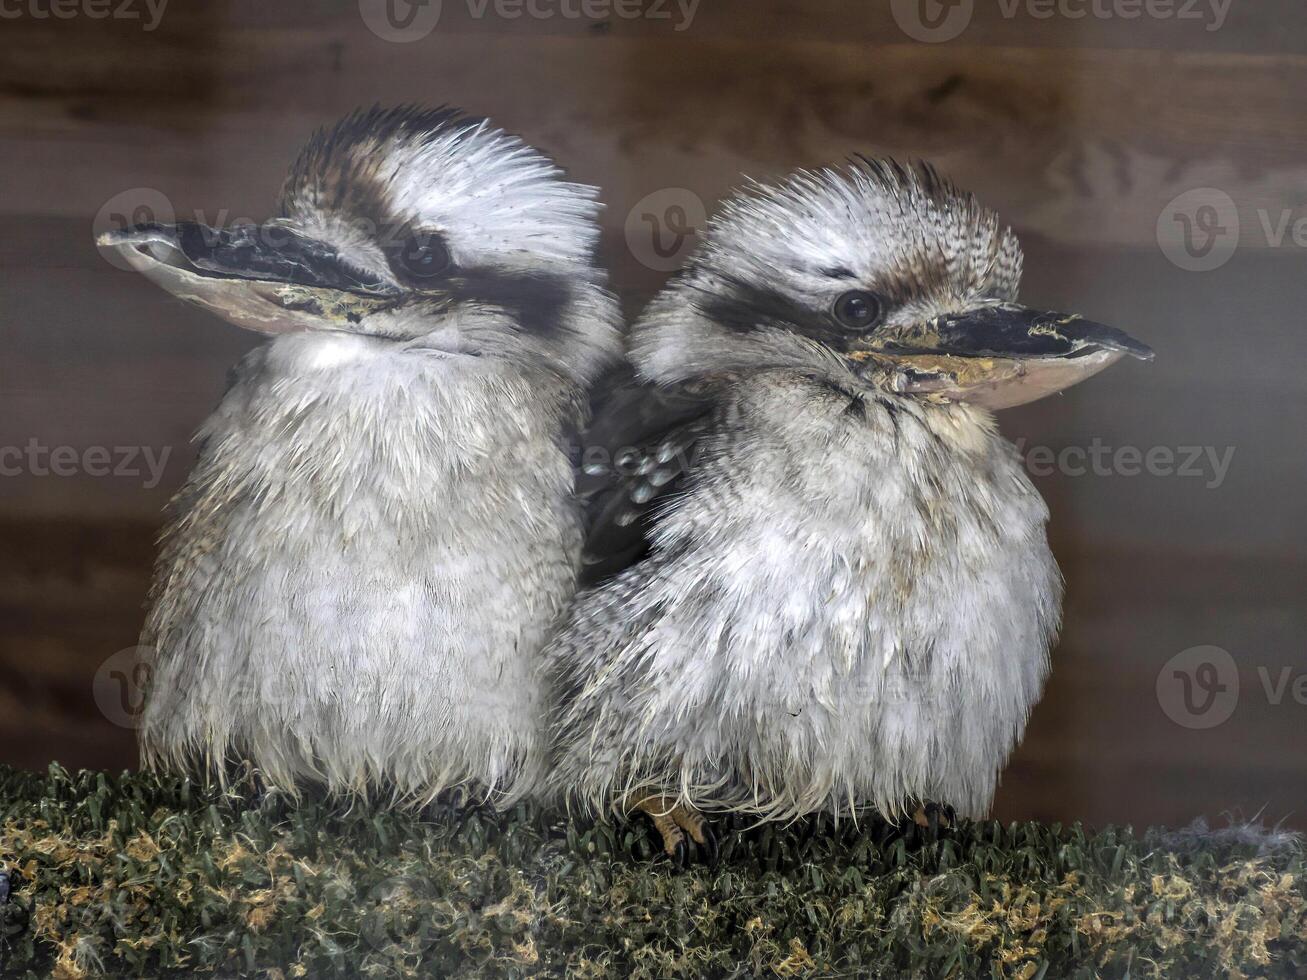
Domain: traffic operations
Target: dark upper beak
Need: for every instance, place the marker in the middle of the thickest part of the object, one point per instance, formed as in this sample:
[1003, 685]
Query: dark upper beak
[1004, 355]
[1014, 331]
[269, 278]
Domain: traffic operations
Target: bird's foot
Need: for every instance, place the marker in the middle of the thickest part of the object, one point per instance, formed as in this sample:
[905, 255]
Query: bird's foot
[680, 827]
[931, 818]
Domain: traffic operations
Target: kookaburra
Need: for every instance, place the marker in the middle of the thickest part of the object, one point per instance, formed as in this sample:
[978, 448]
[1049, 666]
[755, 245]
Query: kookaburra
[822, 581]
[381, 529]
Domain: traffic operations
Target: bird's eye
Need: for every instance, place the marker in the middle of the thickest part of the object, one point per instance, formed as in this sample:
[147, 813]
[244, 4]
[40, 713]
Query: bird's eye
[857, 310]
[421, 256]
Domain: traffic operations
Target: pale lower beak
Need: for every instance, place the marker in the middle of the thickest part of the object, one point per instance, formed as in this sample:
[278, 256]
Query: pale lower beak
[266, 278]
[1003, 356]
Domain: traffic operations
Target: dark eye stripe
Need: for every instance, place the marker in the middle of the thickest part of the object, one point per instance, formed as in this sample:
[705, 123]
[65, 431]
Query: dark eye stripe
[536, 302]
[742, 307]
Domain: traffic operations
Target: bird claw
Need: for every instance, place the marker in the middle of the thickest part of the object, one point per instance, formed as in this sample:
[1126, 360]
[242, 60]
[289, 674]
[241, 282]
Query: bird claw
[709, 844]
[680, 855]
[931, 818]
[683, 830]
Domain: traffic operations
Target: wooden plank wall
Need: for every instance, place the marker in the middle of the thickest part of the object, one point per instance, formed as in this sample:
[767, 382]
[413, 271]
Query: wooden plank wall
[1080, 130]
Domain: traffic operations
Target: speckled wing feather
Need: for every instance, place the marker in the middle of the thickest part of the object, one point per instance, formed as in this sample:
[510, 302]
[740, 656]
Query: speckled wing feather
[639, 450]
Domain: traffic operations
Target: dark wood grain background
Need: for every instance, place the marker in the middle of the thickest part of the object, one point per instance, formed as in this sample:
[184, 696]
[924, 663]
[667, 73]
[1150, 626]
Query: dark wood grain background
[1079, 129]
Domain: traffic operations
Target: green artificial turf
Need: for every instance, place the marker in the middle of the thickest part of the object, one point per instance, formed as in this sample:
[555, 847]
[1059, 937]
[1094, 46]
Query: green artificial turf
[138, 875]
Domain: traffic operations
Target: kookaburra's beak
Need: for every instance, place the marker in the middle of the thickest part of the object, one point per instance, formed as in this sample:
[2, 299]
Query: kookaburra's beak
[268, 278]
[1003, 355]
